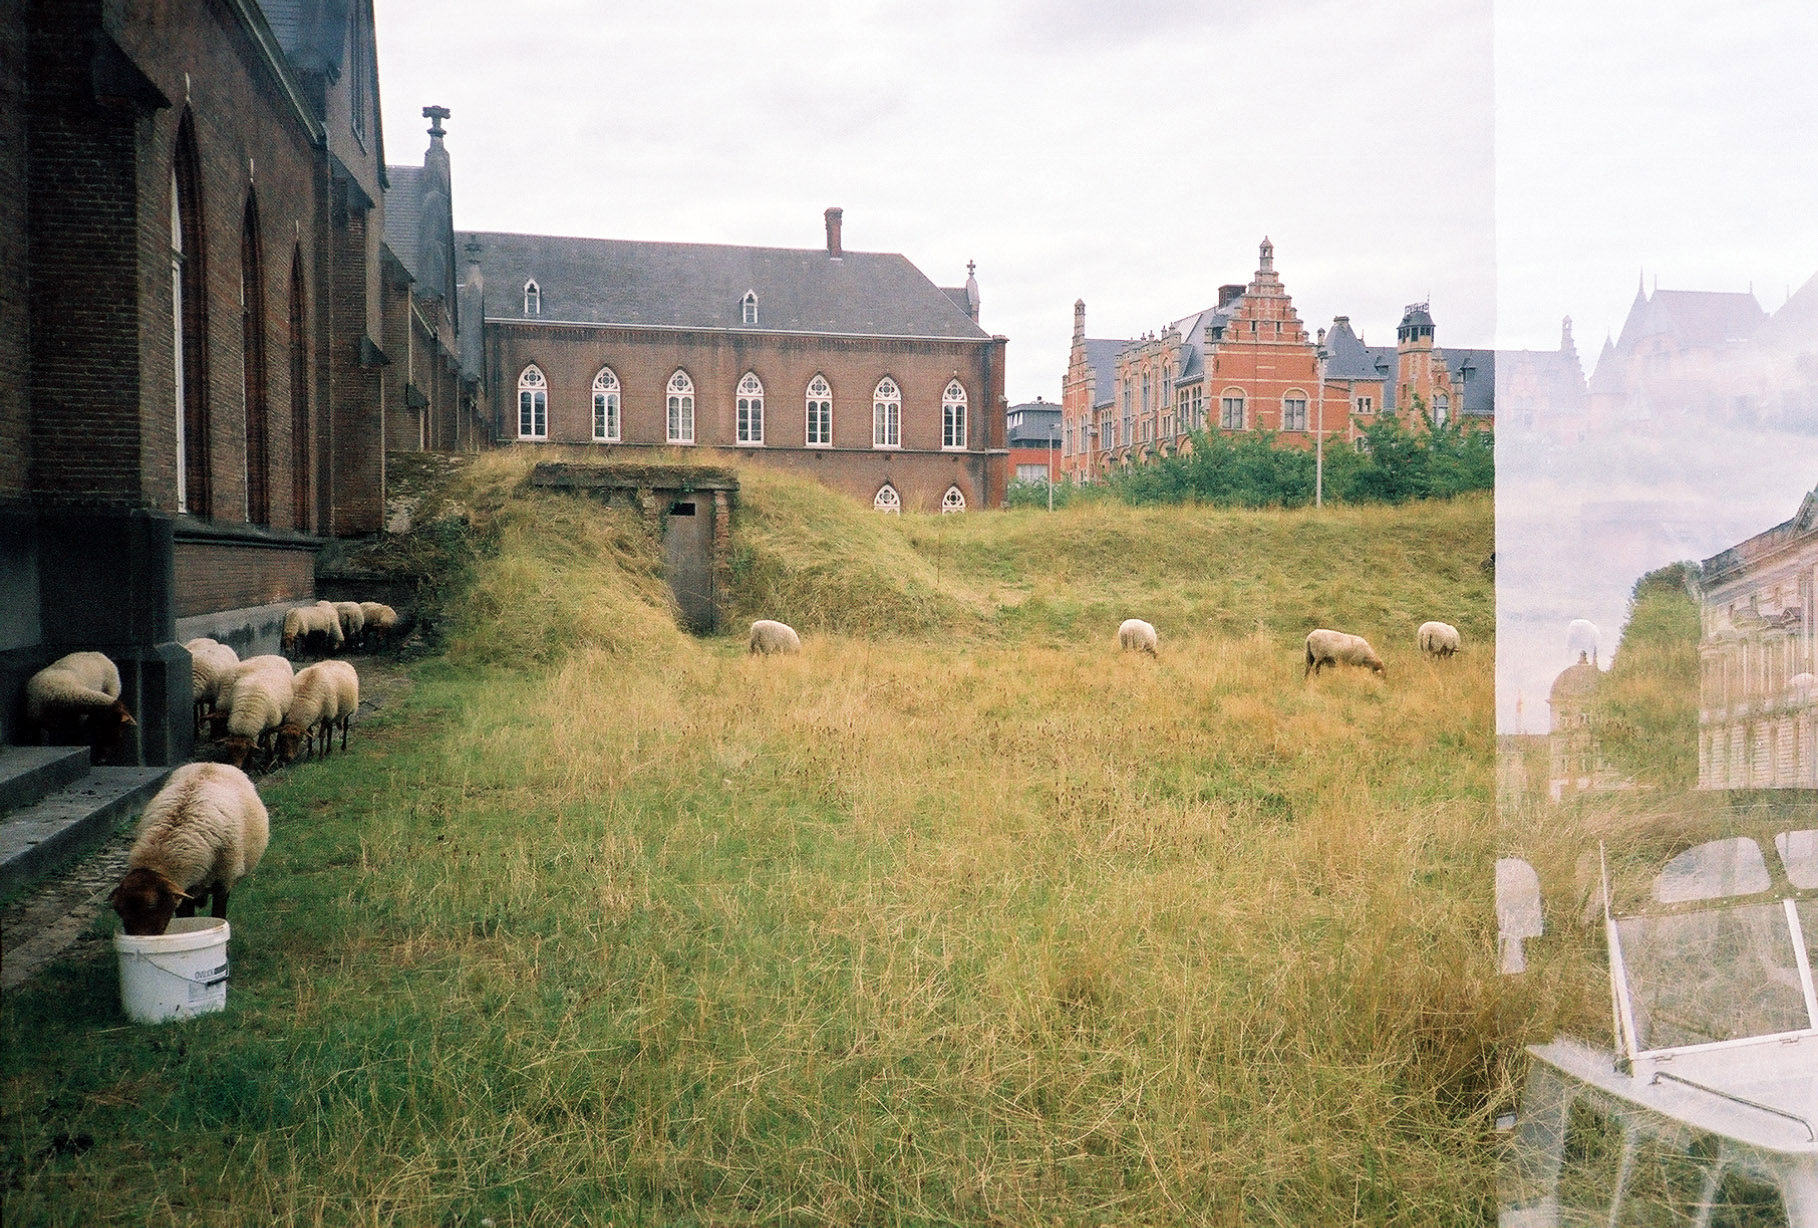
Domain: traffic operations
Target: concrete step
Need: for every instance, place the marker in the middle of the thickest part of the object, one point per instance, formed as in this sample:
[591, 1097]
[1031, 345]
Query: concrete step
[39, 837]
[29, 774]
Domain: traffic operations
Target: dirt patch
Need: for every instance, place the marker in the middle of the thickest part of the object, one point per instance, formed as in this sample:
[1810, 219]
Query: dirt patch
[55, 916]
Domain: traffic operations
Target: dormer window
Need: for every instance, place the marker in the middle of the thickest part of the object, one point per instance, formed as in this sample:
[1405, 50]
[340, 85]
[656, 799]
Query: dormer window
[748, 307]
[533, 298]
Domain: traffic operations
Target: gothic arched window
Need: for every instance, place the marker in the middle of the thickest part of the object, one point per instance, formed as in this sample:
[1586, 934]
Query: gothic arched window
[953, 501]
[750, 409]
[953, 415]
[887, 415]
[533, 298]
[533, 404]
[681, 408]
[606, 406]
[887, 500]
[820, 413]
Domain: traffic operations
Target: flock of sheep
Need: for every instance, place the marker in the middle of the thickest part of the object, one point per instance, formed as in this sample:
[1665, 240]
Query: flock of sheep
[206, 829]
[1324, 647]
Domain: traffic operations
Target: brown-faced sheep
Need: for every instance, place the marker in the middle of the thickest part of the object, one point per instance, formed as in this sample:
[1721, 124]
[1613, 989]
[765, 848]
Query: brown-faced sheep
[353, 621]
[1437, 639]
[768, 636]
[203, 832]
[381, 621]
[1135, 635]
[325, 696]
[311, 626]
[262, 693]
[1337, 648]
[211, 668]
[77, 697]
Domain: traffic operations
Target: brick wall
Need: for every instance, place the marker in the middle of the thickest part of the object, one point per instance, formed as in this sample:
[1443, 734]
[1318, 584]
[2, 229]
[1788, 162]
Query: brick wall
[213, 576]
[14, 337]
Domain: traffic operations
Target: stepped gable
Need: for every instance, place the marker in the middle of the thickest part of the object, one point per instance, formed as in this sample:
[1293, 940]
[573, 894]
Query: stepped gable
[701, 285]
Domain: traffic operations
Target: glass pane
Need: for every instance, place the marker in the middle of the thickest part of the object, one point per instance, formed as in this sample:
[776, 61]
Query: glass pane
[1713, 871]
[1719, 974]
[1799, 853]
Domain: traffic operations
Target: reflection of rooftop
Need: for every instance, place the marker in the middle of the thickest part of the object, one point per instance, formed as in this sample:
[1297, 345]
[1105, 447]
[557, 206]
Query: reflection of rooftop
[1575, 682]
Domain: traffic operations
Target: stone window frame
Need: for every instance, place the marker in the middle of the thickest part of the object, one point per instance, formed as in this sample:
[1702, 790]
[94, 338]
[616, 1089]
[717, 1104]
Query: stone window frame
[953, 417]
[533, 403]
[953, 501]
[819, 400]
[887, 500]
[748, 409]
[533, 298]
[1229, 399]
[608, 400]
[748, 308]
[679, 402]
[1442, 408]
[1294, 405]
[1364, 405]
[887, 414]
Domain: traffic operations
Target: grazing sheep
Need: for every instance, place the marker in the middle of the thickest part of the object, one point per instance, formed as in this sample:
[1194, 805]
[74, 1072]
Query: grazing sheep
[353, 621]
[768, 636]
[325, 695]
[1336, 648]
[262, 693]
[1135, 635]
[211, 667]
[77, 694]
[311, 625]
[1439, 639]
[381, 620]
[203, 833]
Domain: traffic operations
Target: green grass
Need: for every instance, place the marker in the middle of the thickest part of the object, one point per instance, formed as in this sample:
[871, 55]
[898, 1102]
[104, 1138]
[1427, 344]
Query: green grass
[958, 917]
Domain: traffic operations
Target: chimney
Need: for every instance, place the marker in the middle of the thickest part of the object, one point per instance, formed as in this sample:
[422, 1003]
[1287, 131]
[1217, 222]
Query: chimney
[1228, 295]
[834, 249]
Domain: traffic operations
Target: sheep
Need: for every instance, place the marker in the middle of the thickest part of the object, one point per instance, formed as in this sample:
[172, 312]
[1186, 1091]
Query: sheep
[768, 636]
[381, 620]
[203, 832]
[76, 693]
[353, 621]
[1336, 648]
[1135, 635]
[304, 624]
[1439, 639]
[262, 693]
[326, 694]
[211, 665]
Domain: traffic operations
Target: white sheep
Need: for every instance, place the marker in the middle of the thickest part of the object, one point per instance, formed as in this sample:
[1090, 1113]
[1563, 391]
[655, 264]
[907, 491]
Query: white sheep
[262, 692]
[1337, 648]
[304, 624]
[325, 695]
[381, 620]
[211, 667]
[203, 832]
[78, 694]
[1439, 639]
[353, 621]
[1135, 635]
[768, 636]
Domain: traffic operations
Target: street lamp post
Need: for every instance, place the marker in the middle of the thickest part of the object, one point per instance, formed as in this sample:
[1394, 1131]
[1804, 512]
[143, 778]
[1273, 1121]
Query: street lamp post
[1319, 428]
[1053, 444]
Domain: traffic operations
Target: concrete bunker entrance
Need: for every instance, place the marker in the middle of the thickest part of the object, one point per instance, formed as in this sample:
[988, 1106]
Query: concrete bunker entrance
[693, 507]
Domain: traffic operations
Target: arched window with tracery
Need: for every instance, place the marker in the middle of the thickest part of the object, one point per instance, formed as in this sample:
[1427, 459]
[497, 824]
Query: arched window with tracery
[681, 408]
[189, 324]
[887, 500]
[252, 366]
[533, 404]
[748, 307]
[299, 397]
[953, 501]
[750, 409]
[820, 413]
[953, 415]
[533, 298]
[606, 406]
[887, 415]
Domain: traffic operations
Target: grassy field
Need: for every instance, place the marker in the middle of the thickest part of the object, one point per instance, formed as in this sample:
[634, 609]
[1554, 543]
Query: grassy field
[960, 917]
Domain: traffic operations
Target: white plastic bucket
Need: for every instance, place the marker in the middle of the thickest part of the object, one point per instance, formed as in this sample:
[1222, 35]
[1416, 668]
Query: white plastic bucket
[177, 974]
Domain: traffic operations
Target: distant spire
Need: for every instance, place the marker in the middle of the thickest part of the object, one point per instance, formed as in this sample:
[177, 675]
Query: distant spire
[1267, 252]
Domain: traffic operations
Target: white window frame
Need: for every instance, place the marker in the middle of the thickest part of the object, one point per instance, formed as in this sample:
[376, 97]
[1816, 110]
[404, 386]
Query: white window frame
[680, 405]
[608, 424]
[1227, 399]
[887, 414]
[819, 413]
[533, 298]
[533, 403]
[953, 501]
[1298, 400]
[749, 411]
[953, 417]
[748, 307]
[887, 500]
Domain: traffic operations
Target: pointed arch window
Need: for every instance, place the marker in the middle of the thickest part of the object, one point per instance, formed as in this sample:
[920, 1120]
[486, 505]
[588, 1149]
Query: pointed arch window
[299, 396]
[750, 401]
[953, 501]
[252, 365]
[953, 415]
[189, 325]
[887, 415]
[748, 307]
[606, 406]
[533, 298]
[533, 404]
[887, 500]
[820, 413]
[681, 408]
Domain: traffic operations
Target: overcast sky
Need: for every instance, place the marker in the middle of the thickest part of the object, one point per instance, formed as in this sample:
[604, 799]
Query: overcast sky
[1514, 166]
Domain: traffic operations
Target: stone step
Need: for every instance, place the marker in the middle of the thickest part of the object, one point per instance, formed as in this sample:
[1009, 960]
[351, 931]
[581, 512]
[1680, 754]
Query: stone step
[28, 774]
[39, 837]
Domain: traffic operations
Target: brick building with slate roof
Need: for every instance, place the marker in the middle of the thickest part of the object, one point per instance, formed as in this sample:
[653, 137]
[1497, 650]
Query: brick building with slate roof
[849, 367]
[1248, 364]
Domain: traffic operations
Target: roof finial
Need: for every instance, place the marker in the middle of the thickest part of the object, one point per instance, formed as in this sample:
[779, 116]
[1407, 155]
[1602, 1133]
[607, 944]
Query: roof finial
[435, 116]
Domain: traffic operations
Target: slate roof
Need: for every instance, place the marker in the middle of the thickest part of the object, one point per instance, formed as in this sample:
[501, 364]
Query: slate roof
[1101, 356]
[1476, 370]
[1698, 317]
[1350, 358]
[1037, 428]
[701, 285]
[1794, 327]
[403, 207]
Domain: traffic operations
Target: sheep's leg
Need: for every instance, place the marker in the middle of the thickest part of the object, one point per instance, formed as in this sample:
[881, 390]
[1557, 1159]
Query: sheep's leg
[186, 906]
[345, 721]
